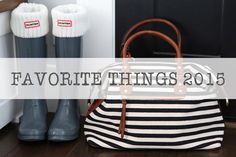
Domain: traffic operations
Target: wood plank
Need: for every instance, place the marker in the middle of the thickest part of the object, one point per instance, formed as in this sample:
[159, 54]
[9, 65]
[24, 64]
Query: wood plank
[41, 149]
[8, 140]
[11, 147]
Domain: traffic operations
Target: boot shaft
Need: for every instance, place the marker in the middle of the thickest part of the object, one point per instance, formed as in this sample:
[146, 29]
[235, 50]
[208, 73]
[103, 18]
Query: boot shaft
[34, 110]
[31, 47]
[68, 47]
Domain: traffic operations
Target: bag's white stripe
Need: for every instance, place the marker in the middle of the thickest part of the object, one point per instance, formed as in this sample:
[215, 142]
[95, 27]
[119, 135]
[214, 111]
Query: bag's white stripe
[165, 123]
[172, 114]
[143, 139]
[144, 67]
[150, 66]
[154, 83]
[161, 106]
[158, 89]
[189, 146]
[197, 97]
[213, 146]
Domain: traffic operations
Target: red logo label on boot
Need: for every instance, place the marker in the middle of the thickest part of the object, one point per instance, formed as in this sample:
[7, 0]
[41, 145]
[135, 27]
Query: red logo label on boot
[32, 24]
[64, 23]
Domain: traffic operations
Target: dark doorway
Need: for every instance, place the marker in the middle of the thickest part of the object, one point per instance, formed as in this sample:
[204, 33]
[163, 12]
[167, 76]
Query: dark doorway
[207, 26]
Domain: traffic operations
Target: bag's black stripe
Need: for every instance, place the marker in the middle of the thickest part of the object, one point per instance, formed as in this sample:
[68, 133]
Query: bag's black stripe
[192, 148]
[198, 117]
[179, 143]
[155, 63]
[143, 135]
[160, 101]
[201, 146]
[158, 126]
[161, 110]
[93, 144]
[115, 146]
[204, 145]
[159, 93]
[171, 68]
[142, 70]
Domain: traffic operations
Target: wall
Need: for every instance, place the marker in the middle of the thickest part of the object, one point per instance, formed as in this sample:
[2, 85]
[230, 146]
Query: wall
[8, 108]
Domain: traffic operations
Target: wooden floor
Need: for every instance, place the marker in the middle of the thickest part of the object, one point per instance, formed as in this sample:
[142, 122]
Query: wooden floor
[11, 147]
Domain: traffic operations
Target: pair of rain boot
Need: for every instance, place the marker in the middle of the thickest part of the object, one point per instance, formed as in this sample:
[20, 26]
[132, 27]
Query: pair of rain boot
[64, 127]
[29, 23]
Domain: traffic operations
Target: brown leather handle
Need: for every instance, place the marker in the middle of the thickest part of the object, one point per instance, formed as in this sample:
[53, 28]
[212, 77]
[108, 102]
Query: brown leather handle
[164, 37]
[98, 102]
[149, 21]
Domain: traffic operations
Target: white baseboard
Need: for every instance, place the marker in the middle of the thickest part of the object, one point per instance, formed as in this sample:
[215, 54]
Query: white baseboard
[8, 112]
[5, 23]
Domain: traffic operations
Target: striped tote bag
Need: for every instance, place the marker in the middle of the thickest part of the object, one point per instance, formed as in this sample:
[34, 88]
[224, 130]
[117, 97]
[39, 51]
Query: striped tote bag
[194, 122]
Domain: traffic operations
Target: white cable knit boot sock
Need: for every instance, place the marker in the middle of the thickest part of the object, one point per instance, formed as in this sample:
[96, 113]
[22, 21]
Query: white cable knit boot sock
[30, 20]
[69, 20]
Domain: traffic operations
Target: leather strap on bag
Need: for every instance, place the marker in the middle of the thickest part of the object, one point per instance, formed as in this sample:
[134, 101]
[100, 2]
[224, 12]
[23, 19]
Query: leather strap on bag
[125, 54]
[151, 21]
[94, 105]
[150, 33]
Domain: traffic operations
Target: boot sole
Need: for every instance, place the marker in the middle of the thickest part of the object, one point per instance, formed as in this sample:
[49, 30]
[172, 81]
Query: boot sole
[31, 138]
[62, 138]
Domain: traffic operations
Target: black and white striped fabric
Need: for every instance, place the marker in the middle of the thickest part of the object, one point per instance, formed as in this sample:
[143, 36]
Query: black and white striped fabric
[193, 123]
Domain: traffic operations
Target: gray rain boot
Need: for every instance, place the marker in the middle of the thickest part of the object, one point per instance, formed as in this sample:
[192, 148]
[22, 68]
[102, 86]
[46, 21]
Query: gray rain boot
[33, 125]
[69, 24]
[65, 125]
[29, 23]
